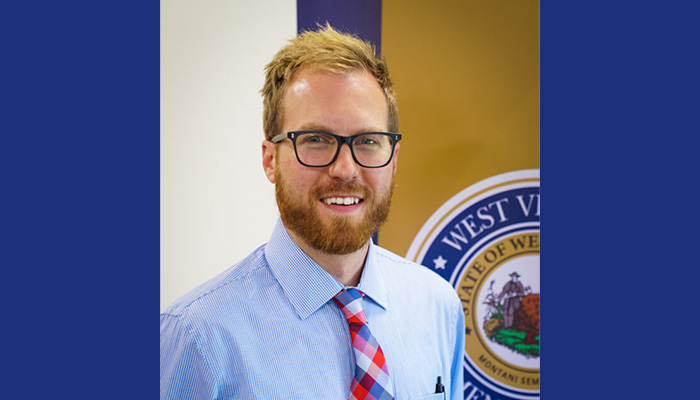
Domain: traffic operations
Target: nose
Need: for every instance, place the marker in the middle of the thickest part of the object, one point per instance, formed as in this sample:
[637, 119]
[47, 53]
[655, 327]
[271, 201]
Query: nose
[344, 167]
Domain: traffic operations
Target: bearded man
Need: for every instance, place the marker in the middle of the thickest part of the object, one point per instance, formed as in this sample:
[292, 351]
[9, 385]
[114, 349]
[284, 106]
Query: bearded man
[320, 311]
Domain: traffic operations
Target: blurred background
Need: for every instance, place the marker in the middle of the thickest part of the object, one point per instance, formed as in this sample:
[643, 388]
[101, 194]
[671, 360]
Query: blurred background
[467, 77]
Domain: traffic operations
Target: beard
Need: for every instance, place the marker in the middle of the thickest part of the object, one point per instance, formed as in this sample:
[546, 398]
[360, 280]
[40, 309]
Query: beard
[341, 234]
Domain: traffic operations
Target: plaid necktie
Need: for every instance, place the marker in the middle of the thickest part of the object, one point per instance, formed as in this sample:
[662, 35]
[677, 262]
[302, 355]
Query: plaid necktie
[371, 380]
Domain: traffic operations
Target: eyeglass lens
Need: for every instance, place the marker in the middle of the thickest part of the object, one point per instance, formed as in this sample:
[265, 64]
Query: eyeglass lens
[316, 149]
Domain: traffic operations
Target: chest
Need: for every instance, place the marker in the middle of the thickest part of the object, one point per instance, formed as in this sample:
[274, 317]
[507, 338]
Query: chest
[279, 355]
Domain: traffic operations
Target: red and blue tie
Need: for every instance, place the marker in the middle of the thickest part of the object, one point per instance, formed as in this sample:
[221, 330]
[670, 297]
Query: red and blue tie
[371, 380]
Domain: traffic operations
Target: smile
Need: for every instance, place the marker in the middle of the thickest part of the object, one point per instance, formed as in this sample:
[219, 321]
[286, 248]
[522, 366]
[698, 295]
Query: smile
[344, 201]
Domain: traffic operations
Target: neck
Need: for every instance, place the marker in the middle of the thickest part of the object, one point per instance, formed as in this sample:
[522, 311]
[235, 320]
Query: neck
[345, 268]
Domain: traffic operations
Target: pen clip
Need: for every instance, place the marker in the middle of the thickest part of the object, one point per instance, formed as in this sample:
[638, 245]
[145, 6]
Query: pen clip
[439, 387]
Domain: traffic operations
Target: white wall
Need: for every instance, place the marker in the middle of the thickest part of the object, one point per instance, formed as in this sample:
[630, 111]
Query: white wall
[216, 205]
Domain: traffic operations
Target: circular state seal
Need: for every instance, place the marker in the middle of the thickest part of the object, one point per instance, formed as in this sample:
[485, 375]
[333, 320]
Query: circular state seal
[485, 241]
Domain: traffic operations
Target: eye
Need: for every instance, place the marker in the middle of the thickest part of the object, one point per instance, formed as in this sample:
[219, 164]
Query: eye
[365, 140]
[314, 138]
[371, 141]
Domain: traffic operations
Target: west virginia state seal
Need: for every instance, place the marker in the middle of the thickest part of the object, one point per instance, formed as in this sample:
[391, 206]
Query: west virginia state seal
[485, 241]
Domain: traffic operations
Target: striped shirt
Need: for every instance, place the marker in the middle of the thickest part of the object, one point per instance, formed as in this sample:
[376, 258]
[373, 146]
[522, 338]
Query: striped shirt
[266, 328]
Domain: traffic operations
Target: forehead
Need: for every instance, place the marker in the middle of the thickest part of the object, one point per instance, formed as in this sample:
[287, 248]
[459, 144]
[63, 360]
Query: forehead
[337, 100]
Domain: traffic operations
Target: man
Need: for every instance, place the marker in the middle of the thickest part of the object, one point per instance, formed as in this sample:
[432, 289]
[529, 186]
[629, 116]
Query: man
[512, 295]
[320, 312]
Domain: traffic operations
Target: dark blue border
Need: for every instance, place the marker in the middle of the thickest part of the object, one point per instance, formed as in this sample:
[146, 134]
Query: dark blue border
[80, 162]
[80, 198]
[619, 217]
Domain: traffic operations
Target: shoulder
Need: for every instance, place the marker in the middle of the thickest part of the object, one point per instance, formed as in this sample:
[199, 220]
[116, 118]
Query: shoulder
[220, 290]
[416, 291]
[413, 277]
[401, 267]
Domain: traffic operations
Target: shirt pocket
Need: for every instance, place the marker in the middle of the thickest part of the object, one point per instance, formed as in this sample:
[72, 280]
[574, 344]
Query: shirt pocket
[434, 396]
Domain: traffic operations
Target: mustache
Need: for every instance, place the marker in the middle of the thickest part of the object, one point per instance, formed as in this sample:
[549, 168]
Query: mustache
[342, 187]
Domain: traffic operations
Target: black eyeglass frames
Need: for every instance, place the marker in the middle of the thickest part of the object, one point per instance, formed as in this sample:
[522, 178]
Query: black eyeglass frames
[320, 149]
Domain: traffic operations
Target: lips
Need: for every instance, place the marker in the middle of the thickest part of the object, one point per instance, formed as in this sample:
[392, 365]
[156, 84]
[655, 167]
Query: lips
[343, 196]
[341, 200]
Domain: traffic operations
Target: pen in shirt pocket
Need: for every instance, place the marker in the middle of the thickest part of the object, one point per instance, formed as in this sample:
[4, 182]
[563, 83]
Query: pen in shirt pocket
[439, 387]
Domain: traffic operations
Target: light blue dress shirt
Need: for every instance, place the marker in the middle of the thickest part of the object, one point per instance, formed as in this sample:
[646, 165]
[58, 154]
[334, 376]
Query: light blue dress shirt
[267, 329]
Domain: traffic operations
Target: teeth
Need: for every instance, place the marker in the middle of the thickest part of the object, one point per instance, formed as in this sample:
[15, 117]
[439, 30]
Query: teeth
[341, 200]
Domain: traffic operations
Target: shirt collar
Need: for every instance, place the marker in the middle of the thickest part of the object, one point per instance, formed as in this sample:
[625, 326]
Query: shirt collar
[306, 284]
[372, 281]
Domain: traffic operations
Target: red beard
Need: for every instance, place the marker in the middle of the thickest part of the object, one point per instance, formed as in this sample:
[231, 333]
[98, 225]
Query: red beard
[340, 235]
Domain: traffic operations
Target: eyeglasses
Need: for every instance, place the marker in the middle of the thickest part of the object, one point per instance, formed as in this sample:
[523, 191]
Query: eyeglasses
[320, 149]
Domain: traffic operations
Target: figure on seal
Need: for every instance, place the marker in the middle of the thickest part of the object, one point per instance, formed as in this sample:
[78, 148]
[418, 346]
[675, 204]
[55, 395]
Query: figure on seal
[513, 292]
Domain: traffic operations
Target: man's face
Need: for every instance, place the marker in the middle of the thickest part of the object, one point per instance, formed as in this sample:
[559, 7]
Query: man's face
[308, 197]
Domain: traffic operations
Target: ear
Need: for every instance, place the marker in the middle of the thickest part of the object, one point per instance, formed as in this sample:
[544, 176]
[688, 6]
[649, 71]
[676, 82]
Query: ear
[269, 161]
[395, 159]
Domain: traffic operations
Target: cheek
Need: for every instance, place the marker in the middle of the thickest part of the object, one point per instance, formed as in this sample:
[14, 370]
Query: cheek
[297, 178]
[288, 165]
[379, 180]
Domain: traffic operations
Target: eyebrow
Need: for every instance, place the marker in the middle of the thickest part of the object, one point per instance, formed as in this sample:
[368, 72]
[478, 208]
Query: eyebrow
[316, 127]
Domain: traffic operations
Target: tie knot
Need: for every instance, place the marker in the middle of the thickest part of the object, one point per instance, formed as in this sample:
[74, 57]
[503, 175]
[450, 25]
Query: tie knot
[350, 302]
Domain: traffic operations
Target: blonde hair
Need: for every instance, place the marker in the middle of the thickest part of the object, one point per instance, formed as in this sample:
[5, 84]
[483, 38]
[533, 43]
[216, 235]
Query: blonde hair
[327, 50]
